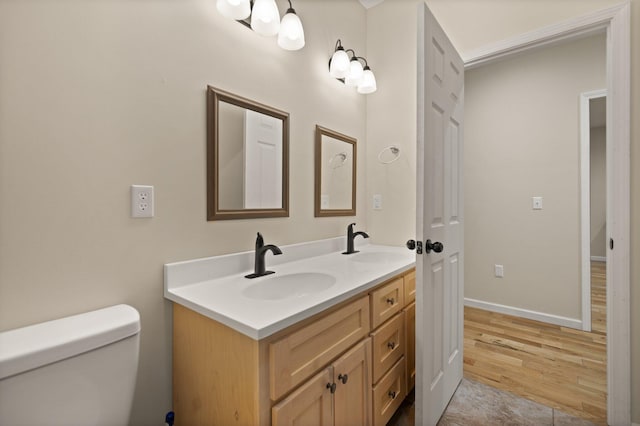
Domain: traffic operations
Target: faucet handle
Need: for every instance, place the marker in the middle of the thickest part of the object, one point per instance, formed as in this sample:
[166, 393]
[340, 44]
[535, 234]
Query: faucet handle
[259, 240]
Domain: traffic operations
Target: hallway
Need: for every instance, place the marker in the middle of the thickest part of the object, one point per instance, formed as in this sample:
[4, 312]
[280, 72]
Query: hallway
[556, 366]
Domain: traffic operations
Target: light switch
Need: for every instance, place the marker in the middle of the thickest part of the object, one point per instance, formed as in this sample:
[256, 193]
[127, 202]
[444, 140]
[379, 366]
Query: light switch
[537, 203]
[499, 270]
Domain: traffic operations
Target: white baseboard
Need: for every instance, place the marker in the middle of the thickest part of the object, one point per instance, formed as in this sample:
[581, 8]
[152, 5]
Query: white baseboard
[524, 313]
[599, 259]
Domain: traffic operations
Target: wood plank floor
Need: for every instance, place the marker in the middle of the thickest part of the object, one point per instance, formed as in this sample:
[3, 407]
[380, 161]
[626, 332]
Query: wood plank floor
[556, 366]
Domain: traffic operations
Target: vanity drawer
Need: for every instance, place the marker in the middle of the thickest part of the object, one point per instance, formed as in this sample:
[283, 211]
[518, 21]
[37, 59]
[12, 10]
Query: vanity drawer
[297, 356]
[410, 287]
[386, 301]
[388, 394]
[388, 345]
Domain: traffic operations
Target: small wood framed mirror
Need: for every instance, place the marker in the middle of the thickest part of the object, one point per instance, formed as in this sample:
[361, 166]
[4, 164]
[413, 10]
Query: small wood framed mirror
[247, 158]
[335, 173]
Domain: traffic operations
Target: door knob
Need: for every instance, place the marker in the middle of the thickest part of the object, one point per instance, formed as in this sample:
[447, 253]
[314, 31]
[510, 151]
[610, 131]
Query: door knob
[413, 244]
[437, 246]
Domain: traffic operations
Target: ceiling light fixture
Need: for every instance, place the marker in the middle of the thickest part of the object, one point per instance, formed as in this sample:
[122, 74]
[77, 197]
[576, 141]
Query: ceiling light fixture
[350, 71]
[263, 17]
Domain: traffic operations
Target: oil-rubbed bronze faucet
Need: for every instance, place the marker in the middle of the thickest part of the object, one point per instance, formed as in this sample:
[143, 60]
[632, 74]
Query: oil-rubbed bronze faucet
[259, 268]
[351, 236]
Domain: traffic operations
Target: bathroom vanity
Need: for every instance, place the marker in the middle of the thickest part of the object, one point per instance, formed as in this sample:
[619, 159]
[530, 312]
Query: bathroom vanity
[338, 352]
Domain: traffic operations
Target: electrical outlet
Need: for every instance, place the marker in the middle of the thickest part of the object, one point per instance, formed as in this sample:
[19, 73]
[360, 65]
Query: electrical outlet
[141, 201]
[377, 201]
[499, 270]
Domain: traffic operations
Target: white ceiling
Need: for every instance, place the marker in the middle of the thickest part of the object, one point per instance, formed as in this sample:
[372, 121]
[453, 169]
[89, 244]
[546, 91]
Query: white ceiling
[370, 3]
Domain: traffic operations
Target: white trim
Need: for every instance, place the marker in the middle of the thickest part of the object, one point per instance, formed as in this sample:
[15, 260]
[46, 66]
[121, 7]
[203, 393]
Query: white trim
[524, 313]
[616, 21]
[598, 258]
[585, 202]
[580, 26]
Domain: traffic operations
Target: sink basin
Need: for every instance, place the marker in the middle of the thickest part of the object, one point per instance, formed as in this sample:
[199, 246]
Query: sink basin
[377, 257]
[278, 287]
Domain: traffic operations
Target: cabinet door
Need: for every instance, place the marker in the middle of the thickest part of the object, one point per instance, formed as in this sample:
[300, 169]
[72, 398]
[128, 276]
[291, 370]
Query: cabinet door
[311, 404]
[352, 374]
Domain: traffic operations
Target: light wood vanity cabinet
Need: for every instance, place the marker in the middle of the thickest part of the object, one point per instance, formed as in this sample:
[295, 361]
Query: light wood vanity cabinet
[346, 366]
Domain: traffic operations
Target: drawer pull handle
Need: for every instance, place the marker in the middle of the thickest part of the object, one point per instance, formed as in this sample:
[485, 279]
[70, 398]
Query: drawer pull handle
[391, 300]
[391, 345]
[331, 387]
[343, 378]
[392, 394]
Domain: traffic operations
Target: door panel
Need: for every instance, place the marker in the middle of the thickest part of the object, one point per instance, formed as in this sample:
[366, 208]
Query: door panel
[311, 404]
[439, 209]
[353, 398]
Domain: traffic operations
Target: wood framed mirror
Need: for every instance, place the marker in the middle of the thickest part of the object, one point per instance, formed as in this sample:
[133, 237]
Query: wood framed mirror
[335, 173]
[247, 158]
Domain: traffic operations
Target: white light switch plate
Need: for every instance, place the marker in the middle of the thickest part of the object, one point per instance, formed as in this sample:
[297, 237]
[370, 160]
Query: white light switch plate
[537, 203]
[499, 270]
[141, 201]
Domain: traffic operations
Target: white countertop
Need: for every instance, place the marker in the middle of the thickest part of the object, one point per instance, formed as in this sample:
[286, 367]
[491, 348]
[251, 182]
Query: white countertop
[214, 286]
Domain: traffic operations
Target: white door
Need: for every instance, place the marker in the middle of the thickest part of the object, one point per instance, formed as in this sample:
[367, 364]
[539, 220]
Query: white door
[263, 161]
[440, 276]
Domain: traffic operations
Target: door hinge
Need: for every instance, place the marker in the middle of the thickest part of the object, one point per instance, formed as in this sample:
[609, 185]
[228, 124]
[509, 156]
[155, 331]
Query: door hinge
[611, 243]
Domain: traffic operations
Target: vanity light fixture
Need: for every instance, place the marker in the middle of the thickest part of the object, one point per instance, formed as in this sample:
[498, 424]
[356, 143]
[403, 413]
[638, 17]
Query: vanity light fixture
[350, 71]
[265, 20]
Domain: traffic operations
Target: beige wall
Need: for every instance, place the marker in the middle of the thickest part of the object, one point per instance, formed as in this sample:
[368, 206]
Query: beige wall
[96, 96]
[472, 24]
[598, 196]
[522, 140]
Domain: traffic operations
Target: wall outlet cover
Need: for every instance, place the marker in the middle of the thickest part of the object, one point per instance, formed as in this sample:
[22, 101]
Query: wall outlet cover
[142, 204]
[377, 201]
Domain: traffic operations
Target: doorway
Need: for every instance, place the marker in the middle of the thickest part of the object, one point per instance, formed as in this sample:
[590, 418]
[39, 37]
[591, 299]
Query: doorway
[616, 22]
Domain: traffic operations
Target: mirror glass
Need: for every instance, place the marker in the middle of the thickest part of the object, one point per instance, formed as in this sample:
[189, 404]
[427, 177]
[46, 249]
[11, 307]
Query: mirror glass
[247, 158]
[335, 174]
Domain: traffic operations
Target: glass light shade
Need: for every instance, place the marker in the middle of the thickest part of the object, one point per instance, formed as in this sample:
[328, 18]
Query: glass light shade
[339, 67]
[356, 72]
[291, 35]
[368, 83]
[265, 18]
[234, 9]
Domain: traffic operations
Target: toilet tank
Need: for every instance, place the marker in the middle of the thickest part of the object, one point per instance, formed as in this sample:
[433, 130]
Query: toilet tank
[78, 370]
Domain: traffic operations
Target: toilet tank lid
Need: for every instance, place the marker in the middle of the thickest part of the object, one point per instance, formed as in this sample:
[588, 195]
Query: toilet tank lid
[30, 347]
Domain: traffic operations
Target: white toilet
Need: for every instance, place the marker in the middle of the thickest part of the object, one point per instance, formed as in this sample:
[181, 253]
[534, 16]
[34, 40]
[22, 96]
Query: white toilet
[78, 370]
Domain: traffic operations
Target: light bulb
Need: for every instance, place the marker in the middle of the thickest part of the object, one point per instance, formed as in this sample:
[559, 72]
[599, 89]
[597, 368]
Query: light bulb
[265, 18]
[234, 9]
[339, 66]
[291, 35]
[368, 83]
[355, 73]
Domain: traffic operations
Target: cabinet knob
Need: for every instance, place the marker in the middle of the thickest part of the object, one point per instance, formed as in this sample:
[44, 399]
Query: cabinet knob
[343, 378]
[391, 300]
[391, 345]
[392, 394]
[331, 387]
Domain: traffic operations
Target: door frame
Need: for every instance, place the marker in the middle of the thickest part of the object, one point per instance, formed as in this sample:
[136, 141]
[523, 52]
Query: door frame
[615, 22]
[585, 201]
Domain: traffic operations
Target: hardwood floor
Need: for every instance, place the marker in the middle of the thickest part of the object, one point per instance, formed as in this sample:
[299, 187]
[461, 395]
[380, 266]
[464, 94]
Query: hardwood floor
[556, 366]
